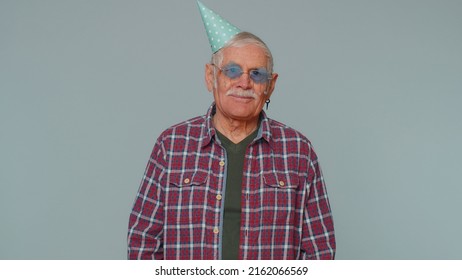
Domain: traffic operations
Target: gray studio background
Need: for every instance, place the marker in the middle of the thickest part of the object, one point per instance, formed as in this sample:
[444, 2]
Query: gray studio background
[87, 86]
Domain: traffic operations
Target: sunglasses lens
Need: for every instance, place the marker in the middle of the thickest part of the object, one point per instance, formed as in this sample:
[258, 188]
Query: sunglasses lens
[233, 72]
[259, 75]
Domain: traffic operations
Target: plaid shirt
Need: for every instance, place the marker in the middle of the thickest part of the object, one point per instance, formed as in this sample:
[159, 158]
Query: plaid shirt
[178, 211]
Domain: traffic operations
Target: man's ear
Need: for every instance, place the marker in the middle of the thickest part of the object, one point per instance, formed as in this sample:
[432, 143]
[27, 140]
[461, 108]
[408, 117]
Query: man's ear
[272, 85]
[209, 77]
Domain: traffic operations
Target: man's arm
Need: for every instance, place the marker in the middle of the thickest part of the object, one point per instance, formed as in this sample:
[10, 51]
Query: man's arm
[145, 230]
[318, 239]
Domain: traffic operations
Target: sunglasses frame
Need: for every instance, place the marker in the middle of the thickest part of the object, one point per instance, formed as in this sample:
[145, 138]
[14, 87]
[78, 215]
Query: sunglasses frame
[224, 70]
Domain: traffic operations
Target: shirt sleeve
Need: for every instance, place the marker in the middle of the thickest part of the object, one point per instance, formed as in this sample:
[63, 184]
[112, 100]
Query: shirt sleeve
[318, 239]
[145, 230]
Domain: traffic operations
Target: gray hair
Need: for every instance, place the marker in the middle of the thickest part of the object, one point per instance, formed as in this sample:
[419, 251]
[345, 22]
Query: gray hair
[240, 40]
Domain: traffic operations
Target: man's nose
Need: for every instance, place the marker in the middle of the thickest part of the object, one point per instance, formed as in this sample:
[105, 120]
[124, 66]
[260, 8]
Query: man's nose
[244, 81]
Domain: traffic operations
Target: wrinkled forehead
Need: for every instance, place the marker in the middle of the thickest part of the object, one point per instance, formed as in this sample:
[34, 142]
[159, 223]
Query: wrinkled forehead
[249, 56]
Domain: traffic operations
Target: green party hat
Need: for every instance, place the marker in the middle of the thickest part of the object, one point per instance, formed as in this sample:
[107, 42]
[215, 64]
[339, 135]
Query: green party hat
[219, 30]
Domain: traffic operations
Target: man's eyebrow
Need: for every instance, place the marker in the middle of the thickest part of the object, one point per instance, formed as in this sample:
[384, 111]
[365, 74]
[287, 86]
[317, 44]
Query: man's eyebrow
[232, 63]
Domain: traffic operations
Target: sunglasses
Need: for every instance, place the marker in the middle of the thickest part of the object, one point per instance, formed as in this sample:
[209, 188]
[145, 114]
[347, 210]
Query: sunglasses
[234, 71]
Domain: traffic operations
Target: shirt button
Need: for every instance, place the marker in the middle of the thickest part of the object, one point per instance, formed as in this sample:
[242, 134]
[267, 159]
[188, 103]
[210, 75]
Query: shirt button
[281, 183]
[222, 163]
[186, 181]
[219, 196]
[216, 230]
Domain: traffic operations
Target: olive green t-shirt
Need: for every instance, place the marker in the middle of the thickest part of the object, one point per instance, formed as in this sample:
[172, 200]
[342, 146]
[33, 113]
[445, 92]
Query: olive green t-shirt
[232, 216]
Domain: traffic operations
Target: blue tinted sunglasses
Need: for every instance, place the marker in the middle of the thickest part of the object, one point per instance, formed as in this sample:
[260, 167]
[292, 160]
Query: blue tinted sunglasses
[234, 71]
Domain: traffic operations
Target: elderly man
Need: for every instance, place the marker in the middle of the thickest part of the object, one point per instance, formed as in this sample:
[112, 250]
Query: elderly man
[233, 184]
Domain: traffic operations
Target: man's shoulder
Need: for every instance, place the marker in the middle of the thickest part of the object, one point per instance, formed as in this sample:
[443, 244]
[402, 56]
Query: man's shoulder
[286, 139]
[196, 122]
[189, 128]
[281, 131]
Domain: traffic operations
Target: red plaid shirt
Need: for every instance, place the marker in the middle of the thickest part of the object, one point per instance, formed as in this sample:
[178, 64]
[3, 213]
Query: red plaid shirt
[178, 211]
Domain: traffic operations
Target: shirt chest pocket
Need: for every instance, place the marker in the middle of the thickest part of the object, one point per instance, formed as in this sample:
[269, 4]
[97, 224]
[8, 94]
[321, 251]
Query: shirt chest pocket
[281, 180]
[185, 197]
[188, 180]
[280, 199]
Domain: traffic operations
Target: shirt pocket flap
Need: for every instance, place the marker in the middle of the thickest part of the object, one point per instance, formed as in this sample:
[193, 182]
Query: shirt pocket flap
[281, 180]
[188, 179]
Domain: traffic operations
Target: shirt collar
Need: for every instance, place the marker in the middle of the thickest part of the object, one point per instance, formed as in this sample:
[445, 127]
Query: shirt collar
[210, 132]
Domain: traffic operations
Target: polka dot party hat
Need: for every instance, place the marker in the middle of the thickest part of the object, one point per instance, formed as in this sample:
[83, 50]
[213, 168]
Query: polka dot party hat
[218, 29]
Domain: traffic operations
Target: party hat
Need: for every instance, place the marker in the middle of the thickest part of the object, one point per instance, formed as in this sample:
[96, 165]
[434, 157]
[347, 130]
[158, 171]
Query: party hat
[218, 29]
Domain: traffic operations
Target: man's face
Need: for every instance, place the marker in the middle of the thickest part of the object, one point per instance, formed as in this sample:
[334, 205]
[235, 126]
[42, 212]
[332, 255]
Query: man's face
[240, 98]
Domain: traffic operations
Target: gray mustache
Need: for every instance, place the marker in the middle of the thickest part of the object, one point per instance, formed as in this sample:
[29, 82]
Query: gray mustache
[242, 93]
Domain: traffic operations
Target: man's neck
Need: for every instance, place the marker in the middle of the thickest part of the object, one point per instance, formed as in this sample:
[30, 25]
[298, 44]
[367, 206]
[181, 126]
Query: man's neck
[234, 130]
